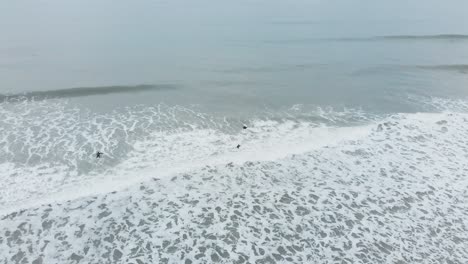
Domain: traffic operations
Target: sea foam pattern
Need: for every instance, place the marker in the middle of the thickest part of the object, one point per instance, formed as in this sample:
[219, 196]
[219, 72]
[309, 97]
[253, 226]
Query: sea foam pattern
[48, 146]
[396, 195]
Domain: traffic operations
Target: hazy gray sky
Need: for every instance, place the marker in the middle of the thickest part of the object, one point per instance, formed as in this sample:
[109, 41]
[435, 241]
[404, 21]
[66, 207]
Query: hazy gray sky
[17, 12]
[37, 21]
[59, 43]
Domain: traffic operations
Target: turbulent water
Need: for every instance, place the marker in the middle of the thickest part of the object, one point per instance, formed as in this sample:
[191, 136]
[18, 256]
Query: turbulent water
[355, 151]
[173, 188]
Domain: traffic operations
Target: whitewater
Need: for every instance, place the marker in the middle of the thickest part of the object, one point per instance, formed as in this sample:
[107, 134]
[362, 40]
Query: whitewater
[349, 187]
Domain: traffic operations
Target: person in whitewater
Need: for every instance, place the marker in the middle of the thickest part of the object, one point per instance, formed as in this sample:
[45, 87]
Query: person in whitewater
[98, 154]
[244, 127]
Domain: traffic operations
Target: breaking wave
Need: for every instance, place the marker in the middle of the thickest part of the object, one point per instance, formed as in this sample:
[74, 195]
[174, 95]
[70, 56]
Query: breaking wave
[451, 37]
[51, 145]
[427, 37]
[436, 37]
[461, 68]
[84, 91]
[381, 69]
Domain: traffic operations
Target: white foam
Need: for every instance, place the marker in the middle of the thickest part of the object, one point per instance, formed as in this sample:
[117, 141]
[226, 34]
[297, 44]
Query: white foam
[62, 141]
[163, 154]
[393, 192]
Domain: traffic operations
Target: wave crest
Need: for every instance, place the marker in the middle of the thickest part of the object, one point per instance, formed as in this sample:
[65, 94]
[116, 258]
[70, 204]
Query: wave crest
[84, 91]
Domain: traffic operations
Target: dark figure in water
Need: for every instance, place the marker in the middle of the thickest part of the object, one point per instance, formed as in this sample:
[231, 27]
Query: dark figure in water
[98, 154]
[244, 127]
[238, 146]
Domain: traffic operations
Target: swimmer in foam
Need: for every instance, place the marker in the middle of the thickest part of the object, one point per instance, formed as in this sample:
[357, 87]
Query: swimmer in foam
[244, 127]
[98, 154]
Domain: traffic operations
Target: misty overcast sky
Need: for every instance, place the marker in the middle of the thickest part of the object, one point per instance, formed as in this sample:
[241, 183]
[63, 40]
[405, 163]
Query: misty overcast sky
[21, 13]
[66, 43]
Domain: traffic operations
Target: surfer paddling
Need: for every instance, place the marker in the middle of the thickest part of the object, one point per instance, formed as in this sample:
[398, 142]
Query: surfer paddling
[98, 154]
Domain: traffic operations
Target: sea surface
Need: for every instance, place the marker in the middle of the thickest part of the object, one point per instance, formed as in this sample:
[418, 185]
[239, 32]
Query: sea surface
[356, 147]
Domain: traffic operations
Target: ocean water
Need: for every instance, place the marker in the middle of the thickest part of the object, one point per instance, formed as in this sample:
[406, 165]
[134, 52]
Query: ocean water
[356, 147]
